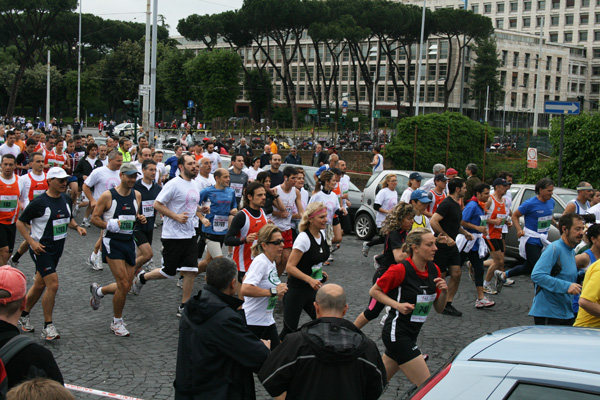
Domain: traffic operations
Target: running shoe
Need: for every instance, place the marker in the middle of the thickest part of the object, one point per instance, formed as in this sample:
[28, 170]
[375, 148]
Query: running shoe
[119, 329]
[450, 310]
[149, 266]
[334, 247]
[25, 324]
[509, 282]
[375, 263]
[13, 263]
[50, 333]
[95, 299]
[365, 249]
[179, 311]
[136, 287]
[484, 303]
[98, 262]
[180, 282]
[85, 223]
[471, 274]
[487, 289]
[498, 281]
[75, 211]
[91, 261]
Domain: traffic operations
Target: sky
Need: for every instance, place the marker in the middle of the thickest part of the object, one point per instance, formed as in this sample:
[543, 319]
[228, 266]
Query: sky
[173, 10]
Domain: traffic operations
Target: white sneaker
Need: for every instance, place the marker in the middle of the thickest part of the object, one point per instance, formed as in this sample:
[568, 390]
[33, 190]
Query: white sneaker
[98, 262]
[85, 223]
[50, 333]
[137, 285]
[119, 329]
[75, 211]
[13, 263]
[365, 249]
[180, 282]
[487, 289]
[25, 324]
[95, 299]
[484, 303]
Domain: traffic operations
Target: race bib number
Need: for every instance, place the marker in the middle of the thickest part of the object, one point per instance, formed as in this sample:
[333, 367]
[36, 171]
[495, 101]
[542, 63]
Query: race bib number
[544, 223]
[127, 223]
[272, 302]
[422, 308]
[483, 221]
[59, 228]
[220, 223]
[502, 219]
[238, 188]
[8, 203]
[148, 208]
[36, 193]
[317, 272]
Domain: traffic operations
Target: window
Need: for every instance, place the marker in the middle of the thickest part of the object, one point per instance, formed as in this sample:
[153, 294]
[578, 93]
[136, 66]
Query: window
[512, 23]
[443, 49]
[547, 83]
[570, 3]
[568, 37]
[595, 88]
[515, 59]
[475, 8]
[381, 93]
[584, 19]
[573, 86]
[527, 6]
[467, 72]
[541, 4]
[487, 8]
[575, 69]
[554, 20]
[431, 70]
[583, 36]
[538, 21]
[558, 64]
[500, 8]
[514, 6]
[557, 85]
[583, 70]
[553, 37]
[527, 59]
[555, 4]
[525, 80]
[569, 18]
[500, 23]
[526, 22]
[431, 93]
[515, 79]
[585, 3]
[595, 70]
[596, 52]
[596, 36]
[505, 54]
[443, 70]
[503, 78]
[524, 100]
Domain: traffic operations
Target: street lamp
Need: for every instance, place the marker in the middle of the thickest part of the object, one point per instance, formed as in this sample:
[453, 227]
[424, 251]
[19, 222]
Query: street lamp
[374, 52]
[419, 66]
[79, 69]
[504, 109]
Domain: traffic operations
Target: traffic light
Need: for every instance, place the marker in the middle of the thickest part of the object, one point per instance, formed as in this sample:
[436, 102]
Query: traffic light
[136, 109]
[580, 99]
[132, 108]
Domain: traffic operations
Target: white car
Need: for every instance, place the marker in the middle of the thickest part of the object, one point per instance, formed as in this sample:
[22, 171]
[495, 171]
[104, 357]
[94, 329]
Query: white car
[125, 129]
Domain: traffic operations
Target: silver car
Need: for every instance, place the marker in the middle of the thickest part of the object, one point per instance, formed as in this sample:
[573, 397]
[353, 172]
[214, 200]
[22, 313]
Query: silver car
[364, 222]
[528, 362]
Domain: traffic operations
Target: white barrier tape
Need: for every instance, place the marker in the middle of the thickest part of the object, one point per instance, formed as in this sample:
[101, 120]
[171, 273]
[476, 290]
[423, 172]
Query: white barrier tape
[99, 392]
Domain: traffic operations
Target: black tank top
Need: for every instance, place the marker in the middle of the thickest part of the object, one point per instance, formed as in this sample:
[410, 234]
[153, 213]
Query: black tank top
[316, 255]
[123, 208]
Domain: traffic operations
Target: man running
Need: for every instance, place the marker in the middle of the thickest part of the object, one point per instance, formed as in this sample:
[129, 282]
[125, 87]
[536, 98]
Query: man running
[438, 193]
[116, 213]
[214, 157]
[274, 172]
[377, 162]
[9, 207]
[497, 218]
[238, 180]
[49, 214]
[581, 203]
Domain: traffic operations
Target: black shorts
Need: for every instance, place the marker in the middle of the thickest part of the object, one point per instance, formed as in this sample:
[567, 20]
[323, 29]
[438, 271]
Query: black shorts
[402, 350]
[241, 275]
[495, 244]
[7, 236]
[179, 255]
[446, 256]
[118, 250]
[142, 237]
[45, 263]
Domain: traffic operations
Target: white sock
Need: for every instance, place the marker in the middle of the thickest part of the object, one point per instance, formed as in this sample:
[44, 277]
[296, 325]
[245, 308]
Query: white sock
[486, 283]
[99, 292]
[117, 320]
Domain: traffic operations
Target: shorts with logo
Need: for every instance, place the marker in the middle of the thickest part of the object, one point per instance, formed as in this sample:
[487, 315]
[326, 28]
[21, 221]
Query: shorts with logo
[142, 237]
[402, 350]
[118, 250]
[45, 263]
[289, 239]
[446, 256]
[495, 244]
[8, 234]
[214, 244]
[179, 255]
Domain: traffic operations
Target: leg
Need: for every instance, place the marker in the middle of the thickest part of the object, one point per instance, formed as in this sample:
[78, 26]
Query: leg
[145, 254]
[415, 370]
[4, 255]
[455, 274]
[377, 240]
[123, 274]
[285, 255]
[337, 234]
[188, 285]
[391, 366]
[533, 254]
[35, 292]
[51, 283]
[497, 263]
[292, 308]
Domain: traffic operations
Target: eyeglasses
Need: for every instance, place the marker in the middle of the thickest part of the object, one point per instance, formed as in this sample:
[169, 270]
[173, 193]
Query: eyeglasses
[61, 180]
[276, 242]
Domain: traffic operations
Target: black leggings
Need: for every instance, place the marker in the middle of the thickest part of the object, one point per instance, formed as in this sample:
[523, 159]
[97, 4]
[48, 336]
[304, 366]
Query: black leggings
[374, 308]
[553, 321]
[380, 239]
[477, 264]
[266, 333]
[533, 252]
[294, 301]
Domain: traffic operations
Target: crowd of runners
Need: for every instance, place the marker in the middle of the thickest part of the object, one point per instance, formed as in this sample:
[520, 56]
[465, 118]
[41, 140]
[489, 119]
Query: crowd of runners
[282, 238]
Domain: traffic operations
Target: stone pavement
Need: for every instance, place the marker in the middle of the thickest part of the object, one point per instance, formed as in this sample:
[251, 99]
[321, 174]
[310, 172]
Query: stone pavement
[143, 365]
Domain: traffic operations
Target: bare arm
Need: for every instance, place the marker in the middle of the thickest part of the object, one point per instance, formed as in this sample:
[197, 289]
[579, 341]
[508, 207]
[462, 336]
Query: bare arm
[590, 306]
[582, 260]
[102, 205]
[88, 193]
[378, 294]
[293, 270]
[570, 208]
[515, 220]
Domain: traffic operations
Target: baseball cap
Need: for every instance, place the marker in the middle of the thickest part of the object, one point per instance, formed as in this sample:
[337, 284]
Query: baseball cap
[56, 172]
[440, 177]
[128, 169]
[451, 171]
[14, 282]
[420, 195]
[500, 181]
[415, 175]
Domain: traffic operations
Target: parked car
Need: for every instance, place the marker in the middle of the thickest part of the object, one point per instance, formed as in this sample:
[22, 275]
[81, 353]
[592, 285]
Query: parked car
[520, 193]
[527, 362]
[364, 223]
[125, 129]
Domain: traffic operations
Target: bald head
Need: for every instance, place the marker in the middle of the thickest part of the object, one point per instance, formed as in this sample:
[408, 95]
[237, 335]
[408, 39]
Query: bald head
[330, 301]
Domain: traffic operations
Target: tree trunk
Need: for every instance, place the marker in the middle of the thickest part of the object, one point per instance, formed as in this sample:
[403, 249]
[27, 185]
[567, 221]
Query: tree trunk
[14, 90]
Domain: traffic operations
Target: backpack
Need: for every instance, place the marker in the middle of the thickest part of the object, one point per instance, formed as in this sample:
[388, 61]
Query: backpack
[10, 348]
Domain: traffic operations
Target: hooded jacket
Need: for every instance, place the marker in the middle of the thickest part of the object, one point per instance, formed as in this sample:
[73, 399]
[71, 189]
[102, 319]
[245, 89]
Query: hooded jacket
[329, 358]
[217, 353]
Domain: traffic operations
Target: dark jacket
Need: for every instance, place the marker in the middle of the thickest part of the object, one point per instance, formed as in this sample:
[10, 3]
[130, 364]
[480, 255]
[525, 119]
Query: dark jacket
[32, 361]
[245, 151]
[217, 353]
[265, 159]
[84, 168]
[322, 158]
[329, 358]
[290, 159]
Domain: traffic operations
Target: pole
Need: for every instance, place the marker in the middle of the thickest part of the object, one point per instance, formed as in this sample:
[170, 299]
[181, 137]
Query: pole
[374, 94]
[484, 148]
[526, 149]
[78, 116]
[415, 149]
[447, 144]
[419, 67]
[152, 110]
[48, 92]
[560, 154]
[145, 99]
[462, 77]
[487, 98]
[537, 84]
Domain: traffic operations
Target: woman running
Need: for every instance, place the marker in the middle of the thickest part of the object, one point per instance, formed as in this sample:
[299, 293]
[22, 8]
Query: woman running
[305, 267]
[254, 169]
[385, 201]
[261, 287]
[410, 289]
[324, 193]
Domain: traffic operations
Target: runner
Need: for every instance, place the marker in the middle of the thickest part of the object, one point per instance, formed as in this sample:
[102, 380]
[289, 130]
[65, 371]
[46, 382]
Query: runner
[345, 188]
[420, 202]
[161, 170]
[84, 168]
[438, 193]
[385, 201]
[414, 182]
[9, 147]
[377, 162]
[214, 157]
[116, 213]
[237, 181]
[49, 214]
[24, 158]
[254, 169]
[581, 203]
[9, 207]
[324, 193]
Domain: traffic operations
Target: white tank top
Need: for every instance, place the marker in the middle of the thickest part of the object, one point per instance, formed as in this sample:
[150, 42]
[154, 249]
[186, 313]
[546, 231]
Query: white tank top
[288, 200]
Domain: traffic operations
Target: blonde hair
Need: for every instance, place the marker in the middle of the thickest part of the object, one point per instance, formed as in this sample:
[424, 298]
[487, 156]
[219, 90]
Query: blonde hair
[393, 220]
[264, 235]
[310, 209]
[414, 237]
[39, 389]
[386, 181]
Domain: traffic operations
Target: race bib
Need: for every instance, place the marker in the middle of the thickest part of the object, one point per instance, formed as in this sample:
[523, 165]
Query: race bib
[148, 208]
[220, 223]
[502, 219]
[483, 221]
[59, 228]
[36, 193]
[317, 272]
[422, 308]
[127, 223]
[8, 203]
[238, 188]
[272, 302]
[544, 223]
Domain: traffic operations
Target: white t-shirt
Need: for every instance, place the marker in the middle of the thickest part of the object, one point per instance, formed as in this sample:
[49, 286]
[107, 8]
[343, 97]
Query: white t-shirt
[379, 165]
[263, 274]
[138, 165]
[330, 201]
[205, 182]
[289, 203]
[428, 185]
[302, 242]
[252, 174]
[406, 195]
[14, 150]
[25, 185]
[102, 179]
[105, 162]
[387, 199]
[344, 186]
[161, 171]
[215, 159]
[179, 196]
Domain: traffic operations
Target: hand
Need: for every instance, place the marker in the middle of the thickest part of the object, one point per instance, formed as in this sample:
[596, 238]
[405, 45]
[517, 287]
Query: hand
[113, 225]
[315, 284]
[450, 242]
[206, 222]
[344, 211]
[38, 248]
[520, 233]
[281, 290]
[251, 237]
[284, 214]
[182, 218]
[468, 236]
[495, 221]
[81, 230]
[141, 218]
[404, 308]
[440, 284]
[266, 343]
[205, 210]
[93, 203]
[480, 229]
[575, 288]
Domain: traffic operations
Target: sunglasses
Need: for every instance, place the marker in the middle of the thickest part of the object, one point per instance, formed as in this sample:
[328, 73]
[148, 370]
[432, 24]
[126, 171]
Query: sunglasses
[276, 242]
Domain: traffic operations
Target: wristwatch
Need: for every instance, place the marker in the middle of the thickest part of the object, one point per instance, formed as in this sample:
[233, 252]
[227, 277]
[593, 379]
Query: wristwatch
[273, 291]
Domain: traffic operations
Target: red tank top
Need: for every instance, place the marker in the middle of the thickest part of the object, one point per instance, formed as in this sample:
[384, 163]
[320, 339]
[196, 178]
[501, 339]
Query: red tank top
[242, 255]
[36, 187]
[498, 210]
[9, 201]
[437, 200]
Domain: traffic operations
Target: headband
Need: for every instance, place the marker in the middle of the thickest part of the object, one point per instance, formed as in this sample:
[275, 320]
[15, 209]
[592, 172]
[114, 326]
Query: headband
[318, 212]
[585, 188]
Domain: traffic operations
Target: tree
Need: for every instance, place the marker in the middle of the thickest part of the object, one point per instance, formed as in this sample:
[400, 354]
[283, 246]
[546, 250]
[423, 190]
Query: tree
[485, 73]
[259, 89]
[171, 78]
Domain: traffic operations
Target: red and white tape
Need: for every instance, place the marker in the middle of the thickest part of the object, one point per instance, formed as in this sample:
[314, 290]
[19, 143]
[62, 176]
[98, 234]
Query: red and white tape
[99, 392]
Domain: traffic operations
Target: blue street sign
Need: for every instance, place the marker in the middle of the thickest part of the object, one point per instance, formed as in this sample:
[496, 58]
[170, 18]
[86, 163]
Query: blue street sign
[190, 104]
[561, 107]
[344, 103]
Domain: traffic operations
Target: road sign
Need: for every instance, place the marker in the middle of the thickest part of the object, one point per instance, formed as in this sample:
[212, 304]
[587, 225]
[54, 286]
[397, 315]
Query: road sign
[145, 87]
[144, 92]
[312, 111]
[561, 107]
[532, 157]
[191, 104]
[345, 110]
[376, 114]
[354, 119]
[394, 113]
[344, 103]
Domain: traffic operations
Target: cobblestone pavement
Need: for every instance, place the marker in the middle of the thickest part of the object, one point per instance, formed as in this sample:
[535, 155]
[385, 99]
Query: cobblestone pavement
[143, 365]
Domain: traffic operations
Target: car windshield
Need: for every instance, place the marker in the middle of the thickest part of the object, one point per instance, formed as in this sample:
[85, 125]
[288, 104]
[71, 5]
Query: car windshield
[372, 178]
[566, 197]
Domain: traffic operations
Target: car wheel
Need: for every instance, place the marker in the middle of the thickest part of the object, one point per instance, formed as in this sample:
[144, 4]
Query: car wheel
[364, 227]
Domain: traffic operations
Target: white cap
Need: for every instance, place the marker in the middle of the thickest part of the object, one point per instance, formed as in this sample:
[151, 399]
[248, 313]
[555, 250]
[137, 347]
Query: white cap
[56, 172]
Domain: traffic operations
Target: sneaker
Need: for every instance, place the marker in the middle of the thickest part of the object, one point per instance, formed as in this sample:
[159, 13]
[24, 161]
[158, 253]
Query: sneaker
[230, 256]
[85, 223]
[136, 287]
[91, 261]
[365, 249]
[484, 303]
[471, 274]
[149, 266]
[13, 263]
[498, 281]
[334, 248]
[119, 329]
[98, 262]
[375, 263]
[509, 282]
[25, 325]
[95, 299]
[50, 333]
[179, 311]
[450, 310]
[180, 282]
[75, 211]
[487, 289]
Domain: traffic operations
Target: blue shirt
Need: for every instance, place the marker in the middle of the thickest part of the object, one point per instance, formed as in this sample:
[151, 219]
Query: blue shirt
[172, 161]
[538, 216]
[222, 201]
[322, 168]
[553, 301]
[474, 214]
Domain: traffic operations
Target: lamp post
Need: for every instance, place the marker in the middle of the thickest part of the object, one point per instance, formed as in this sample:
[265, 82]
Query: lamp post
[79, 68]
[419, 66]
[374, 52]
